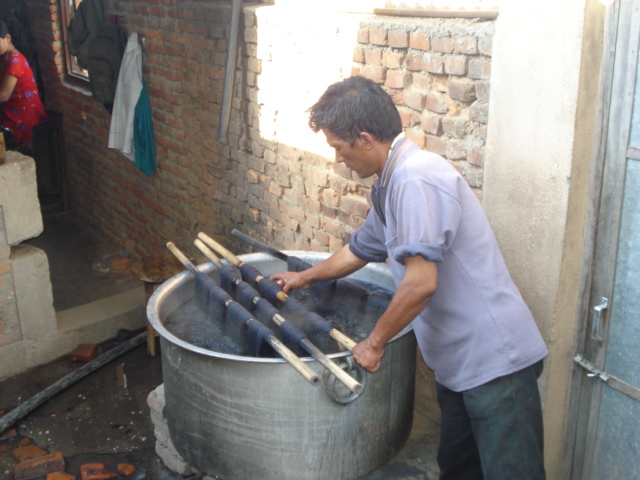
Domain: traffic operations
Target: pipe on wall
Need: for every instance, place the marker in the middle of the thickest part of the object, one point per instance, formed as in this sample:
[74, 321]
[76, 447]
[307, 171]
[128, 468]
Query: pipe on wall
[230, 70]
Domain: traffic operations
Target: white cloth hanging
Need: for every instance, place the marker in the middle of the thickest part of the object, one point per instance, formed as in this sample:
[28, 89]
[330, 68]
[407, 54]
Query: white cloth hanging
[127, 96]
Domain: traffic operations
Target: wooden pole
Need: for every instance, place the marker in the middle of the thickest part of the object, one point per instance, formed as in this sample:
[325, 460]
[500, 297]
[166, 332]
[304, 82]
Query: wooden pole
[337, 335]
[293, 360]
[346, 379]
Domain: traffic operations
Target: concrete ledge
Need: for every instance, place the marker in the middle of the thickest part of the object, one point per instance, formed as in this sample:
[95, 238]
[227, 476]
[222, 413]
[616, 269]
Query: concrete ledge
[19, 198]
[37, 335]
[95, 312]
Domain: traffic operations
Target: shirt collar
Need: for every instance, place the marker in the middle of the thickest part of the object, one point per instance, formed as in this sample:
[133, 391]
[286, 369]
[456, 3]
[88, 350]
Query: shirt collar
[387, 167]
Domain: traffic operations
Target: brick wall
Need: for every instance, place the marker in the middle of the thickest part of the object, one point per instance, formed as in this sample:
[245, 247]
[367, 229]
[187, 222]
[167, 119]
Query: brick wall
[261, 180]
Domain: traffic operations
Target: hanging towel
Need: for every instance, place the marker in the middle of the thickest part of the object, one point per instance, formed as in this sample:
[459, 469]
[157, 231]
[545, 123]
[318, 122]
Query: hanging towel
[143, 134]
[127, 96]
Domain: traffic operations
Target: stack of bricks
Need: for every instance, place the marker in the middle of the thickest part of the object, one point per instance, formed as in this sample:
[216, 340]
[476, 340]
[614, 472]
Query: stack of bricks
[33, 462]
[438, 74]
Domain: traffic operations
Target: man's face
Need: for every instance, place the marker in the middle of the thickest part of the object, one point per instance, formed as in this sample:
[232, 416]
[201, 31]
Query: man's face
[360, 158]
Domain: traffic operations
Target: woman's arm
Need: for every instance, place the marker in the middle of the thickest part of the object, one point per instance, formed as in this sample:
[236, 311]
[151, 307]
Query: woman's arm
[8, 84]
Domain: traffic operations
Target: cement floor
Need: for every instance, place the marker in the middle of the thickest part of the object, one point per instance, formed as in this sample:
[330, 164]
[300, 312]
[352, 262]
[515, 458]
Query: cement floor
[104, 417]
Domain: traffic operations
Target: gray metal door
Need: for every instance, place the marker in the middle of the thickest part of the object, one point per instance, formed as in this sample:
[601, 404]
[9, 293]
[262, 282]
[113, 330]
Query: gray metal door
[608, 432]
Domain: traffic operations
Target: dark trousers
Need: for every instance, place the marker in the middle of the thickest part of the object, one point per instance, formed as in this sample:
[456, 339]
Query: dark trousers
[494, 431]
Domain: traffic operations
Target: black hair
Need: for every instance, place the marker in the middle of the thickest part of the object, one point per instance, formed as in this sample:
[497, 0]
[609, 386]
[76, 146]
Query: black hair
[4, 30]
[355, 105]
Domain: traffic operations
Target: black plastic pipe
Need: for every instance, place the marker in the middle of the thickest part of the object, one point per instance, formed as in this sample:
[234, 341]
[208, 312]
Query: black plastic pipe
[38, 399]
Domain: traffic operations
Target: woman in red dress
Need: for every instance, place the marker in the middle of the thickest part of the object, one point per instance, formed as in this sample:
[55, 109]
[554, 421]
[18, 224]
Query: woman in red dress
[23, 108]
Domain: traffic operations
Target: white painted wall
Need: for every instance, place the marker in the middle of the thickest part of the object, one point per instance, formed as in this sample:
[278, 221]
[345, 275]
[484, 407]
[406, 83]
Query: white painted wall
[537, 158]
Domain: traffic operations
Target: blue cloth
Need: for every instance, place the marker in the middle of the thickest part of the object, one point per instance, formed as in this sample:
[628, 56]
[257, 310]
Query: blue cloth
[145, 148]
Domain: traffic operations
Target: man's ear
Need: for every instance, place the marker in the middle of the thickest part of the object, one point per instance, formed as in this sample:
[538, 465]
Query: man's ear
[367, 140]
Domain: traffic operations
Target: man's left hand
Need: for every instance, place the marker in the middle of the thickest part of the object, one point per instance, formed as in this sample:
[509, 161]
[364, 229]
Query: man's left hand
[368, 356]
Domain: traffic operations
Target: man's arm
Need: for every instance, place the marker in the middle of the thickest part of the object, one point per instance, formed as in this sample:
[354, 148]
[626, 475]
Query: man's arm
[412, 296]
[340, 264]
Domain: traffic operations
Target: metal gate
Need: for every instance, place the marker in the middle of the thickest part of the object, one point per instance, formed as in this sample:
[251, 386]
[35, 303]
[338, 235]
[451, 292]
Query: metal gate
[607, 441]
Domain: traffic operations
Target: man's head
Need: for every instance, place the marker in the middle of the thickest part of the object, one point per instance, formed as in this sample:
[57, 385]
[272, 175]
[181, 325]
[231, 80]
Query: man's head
[360, 121]
[353, 106]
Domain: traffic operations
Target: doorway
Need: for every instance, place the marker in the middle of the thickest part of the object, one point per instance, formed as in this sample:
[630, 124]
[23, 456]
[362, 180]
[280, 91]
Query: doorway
[607, 438]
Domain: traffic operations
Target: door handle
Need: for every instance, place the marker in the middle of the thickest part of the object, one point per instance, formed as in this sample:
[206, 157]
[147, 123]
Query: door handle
[597, 319]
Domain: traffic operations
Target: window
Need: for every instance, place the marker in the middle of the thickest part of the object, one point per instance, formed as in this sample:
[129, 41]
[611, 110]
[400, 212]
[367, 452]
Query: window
[74, 71]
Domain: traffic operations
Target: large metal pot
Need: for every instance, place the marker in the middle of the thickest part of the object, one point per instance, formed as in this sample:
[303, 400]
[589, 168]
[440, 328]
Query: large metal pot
[245, 418]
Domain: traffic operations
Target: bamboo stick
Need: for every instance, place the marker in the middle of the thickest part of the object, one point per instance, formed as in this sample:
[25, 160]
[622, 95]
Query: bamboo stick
[337, 335]
[309, 375]
[348, 381]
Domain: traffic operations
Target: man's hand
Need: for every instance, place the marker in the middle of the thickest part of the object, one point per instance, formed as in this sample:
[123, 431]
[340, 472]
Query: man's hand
[290, 281]
[338, 265]
[368, 356]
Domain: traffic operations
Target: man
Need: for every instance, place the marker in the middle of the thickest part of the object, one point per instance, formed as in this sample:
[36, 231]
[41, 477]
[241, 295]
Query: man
[473, 327]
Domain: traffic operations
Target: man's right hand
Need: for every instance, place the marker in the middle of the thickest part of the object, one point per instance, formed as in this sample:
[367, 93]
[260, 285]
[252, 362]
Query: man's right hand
[290, 281]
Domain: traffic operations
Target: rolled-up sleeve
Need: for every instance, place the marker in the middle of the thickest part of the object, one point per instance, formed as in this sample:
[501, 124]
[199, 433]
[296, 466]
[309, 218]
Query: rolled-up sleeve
[367, 242]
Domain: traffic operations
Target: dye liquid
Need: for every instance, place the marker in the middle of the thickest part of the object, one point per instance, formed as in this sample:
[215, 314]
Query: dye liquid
[205, 325]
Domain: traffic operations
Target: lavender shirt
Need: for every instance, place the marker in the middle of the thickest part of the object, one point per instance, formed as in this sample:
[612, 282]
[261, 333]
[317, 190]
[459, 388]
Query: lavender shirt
[476, 327]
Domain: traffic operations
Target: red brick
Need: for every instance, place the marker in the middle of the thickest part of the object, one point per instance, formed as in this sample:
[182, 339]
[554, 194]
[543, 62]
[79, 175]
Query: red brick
[455, 127]
[421, 80]
[95, 471]
[374, 73]
[456, 64]
[485, 45]
[433, 63]
[419, 41]
[60, 476]
[482, 91]
[373, 56]
[479, 68]
[355, 206]
[8, 433]
[322, 238]
[85, 352]
[126, 469]
[414, 100]
[467, 45]
[398, 39]
[462, 90]
[413, 62]
[28, 451]
[436, 103]
[479, 112]
[431, 124]
[392, 59]
[442, 44]
[476, 157]
[409, 119]
[38, 467]
[395, 79]
[378, 36]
